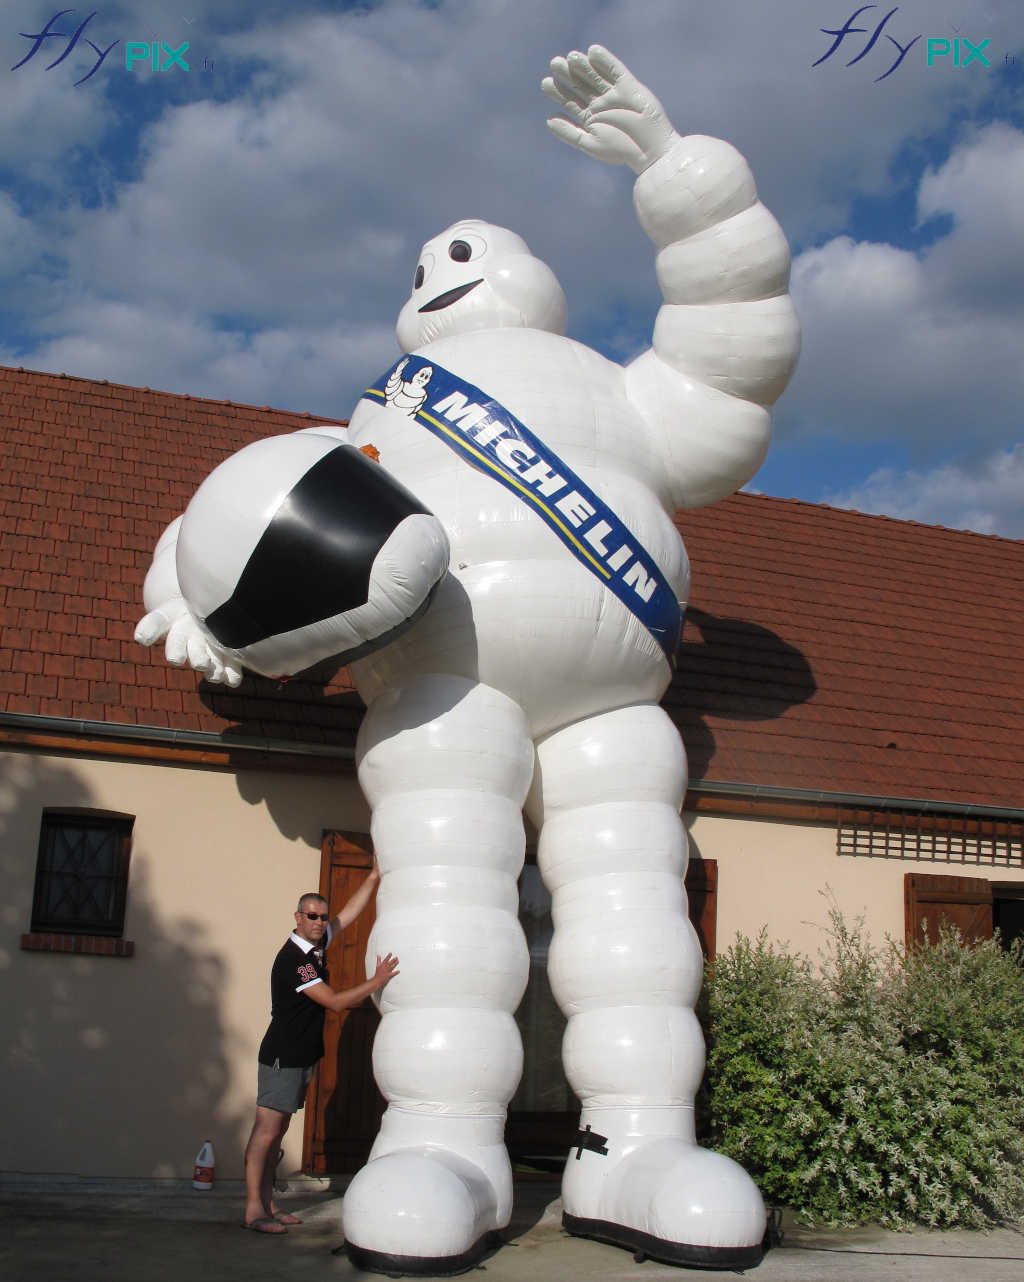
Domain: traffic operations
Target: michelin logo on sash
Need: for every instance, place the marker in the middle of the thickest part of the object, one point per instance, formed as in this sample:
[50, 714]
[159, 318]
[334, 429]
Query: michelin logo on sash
[493, 440]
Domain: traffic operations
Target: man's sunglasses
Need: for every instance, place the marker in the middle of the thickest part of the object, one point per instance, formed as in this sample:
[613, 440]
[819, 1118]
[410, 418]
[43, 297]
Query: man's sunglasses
[319, 916]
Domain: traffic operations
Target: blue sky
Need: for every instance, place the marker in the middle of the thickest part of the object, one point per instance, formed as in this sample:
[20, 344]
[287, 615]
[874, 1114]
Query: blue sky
[247, 229]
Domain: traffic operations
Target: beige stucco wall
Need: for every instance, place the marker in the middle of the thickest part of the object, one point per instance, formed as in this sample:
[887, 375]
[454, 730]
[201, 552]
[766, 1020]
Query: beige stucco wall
[122, 1067]
[784, 877]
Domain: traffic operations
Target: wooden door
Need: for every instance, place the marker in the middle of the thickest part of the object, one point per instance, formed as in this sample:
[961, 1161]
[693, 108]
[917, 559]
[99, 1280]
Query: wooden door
[964, 902]
[344, 1106]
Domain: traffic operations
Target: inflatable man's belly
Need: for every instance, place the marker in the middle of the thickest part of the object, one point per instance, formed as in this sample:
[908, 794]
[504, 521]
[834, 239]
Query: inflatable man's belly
[565, 570]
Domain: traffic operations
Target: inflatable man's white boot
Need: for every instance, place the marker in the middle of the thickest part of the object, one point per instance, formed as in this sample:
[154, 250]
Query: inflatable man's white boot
[613, 851]
[446, 764]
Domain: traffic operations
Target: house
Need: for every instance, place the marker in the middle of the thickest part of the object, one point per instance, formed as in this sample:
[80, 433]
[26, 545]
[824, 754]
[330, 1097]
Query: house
[848, 690]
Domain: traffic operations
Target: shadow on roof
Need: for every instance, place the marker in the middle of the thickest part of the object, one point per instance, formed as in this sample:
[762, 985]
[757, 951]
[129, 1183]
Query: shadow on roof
[730, 669]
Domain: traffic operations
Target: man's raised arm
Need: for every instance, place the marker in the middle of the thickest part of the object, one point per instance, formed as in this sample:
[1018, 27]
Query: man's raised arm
[357, 902]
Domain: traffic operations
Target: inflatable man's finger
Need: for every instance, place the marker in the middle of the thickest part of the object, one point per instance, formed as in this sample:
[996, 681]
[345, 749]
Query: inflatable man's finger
[155, 625]
[177, 643]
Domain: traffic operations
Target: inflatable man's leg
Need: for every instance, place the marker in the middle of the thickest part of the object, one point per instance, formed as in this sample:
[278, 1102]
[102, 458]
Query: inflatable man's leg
[626, 968]
[445, 764]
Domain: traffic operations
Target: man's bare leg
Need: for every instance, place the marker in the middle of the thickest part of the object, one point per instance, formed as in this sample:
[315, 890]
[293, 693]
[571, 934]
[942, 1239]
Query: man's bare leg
[260, 1161]
[282, 1217]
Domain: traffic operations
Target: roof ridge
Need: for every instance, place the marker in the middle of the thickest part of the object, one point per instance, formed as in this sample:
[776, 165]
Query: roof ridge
[178, 396]
[874, 516]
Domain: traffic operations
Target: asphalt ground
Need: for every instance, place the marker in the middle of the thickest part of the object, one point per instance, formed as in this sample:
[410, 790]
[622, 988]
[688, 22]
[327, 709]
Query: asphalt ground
[125, 1231]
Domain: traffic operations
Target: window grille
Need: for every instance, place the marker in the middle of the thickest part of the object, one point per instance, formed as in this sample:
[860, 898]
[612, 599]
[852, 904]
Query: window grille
[82, 872]
[946, 839]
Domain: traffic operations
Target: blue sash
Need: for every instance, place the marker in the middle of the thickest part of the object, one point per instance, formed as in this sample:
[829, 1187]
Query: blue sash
[494, 441]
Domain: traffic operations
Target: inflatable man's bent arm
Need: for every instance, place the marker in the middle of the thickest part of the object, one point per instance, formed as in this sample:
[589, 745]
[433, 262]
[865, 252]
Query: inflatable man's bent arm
[726, 338]
[168, 617]
[297, 548]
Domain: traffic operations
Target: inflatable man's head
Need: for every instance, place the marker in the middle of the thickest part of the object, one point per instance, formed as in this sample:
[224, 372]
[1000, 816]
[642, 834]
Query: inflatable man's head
[478, 276]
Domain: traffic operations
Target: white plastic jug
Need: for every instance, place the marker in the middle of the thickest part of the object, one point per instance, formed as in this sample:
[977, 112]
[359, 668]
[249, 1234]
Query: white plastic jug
[202, 1172]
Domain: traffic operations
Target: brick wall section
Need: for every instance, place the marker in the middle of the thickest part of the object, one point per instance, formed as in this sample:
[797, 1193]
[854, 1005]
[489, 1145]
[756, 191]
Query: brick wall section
[824, 649]
[83, 945]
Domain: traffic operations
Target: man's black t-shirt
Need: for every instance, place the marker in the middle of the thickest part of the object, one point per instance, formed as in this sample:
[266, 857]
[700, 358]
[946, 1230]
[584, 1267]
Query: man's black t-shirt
[295, 1038]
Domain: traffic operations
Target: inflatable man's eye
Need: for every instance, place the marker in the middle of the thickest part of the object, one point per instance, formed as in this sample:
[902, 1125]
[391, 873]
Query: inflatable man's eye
[459, 251]
[418, 280]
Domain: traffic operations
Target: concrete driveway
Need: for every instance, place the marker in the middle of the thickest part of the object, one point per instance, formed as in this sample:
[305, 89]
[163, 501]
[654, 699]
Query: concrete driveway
[125, 1231]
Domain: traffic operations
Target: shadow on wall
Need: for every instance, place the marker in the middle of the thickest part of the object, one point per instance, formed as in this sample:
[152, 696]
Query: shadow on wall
[296, 800]
[112, 1067]
[731, 670]
[318, 705]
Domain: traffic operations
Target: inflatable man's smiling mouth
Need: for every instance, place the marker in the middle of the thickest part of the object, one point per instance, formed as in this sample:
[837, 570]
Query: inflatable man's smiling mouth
[450, 296]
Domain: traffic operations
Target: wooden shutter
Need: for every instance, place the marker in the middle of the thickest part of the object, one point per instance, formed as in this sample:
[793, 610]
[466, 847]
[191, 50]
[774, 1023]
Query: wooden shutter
[965, 902]
[702, 893]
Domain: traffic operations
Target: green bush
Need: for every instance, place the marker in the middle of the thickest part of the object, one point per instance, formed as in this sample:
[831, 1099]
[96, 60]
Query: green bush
[882, 1085]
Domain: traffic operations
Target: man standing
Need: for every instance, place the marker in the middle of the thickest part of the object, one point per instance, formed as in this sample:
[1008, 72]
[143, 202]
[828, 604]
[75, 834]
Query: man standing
[294, 1042]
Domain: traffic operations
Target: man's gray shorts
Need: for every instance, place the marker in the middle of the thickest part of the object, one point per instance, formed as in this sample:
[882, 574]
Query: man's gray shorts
[283, 1089]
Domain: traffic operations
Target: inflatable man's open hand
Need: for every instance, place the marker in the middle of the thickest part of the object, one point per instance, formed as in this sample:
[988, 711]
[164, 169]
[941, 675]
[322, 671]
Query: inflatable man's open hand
[169, 619]
[612, 116]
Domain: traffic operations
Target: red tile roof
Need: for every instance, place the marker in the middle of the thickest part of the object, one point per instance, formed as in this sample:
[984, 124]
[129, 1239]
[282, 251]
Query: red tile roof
[93, 472]
[824, 650]
[827, 649]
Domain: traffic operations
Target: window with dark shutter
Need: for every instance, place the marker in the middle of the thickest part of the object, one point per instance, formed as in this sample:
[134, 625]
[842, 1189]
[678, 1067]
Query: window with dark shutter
[82, 873]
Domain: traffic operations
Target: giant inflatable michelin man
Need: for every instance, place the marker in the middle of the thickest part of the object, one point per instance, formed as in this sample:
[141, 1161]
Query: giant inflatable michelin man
[504, 576]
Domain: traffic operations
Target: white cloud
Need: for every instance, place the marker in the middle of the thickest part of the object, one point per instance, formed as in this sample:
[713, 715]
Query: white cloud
[281, 224]
[43, 116]
[20, 241]
[923, 347]
[987, 496]
[981, 265]
[294, 368]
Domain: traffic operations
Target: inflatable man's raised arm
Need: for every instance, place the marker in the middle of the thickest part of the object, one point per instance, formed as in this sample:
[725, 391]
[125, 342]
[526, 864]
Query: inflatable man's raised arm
[727, 338]
[506, 582]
